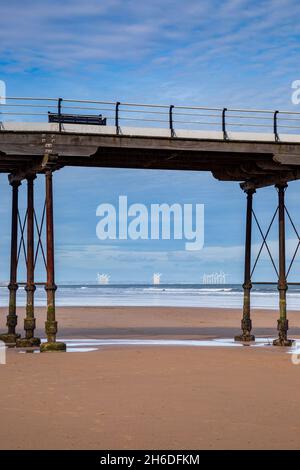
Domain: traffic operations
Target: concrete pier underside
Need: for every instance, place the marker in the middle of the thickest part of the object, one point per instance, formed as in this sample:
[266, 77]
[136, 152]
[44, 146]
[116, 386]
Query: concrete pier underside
[252, 158]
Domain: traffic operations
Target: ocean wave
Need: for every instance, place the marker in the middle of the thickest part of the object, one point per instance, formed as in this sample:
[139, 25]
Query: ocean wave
[185, 290]
[228, 296]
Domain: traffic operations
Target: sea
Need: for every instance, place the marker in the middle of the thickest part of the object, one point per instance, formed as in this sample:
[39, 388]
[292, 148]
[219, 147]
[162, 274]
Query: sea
[163, 295]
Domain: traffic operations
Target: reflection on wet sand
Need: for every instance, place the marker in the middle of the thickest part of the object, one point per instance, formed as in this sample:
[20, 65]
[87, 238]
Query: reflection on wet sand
[90, 345]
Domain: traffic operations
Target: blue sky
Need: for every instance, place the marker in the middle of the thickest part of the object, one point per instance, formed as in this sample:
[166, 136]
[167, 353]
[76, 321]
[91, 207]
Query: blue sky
[215, 53]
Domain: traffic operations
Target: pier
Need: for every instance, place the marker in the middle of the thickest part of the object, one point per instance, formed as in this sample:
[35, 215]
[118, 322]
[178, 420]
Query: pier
[39, 136]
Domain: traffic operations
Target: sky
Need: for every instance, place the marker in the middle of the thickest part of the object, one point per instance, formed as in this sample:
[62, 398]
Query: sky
[209, 53]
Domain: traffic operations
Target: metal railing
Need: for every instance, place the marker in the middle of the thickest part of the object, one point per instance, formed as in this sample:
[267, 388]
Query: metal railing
[170, 117]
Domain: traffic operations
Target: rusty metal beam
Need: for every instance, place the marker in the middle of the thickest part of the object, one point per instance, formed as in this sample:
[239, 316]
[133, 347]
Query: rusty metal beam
[282, 324]
[11, 336]
[246, 324]
[29, 322]
[51, 323]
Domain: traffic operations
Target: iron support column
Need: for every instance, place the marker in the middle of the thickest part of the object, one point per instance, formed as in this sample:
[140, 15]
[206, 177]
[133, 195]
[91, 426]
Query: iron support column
[51, 323]
[29, 321]
[10, 337]
[246, 323]
[282, 324]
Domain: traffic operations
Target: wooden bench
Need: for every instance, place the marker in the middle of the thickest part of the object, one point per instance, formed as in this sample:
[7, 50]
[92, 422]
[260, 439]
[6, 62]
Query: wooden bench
[95, 120]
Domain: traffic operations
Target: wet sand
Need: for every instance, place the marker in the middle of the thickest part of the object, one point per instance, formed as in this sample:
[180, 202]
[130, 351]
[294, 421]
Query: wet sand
[135, 397]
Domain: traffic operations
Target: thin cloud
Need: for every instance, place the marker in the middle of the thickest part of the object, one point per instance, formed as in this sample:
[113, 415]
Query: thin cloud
[72, 33]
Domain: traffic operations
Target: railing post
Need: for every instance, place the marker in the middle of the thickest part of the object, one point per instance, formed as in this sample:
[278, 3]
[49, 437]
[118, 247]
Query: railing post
[59, 114]
[246, 324]
[225, 136]
[117, 117]
[275, 125]
[11, 336]
[51, 323]
[282, 324]
[171, 120]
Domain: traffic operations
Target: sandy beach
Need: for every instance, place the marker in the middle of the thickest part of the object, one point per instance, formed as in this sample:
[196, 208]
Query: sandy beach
[151, 397]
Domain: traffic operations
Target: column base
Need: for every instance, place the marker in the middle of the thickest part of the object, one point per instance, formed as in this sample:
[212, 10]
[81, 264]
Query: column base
[52, 347]
[9, 338]
[244, 338]
[283, 342]
[28, 343]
